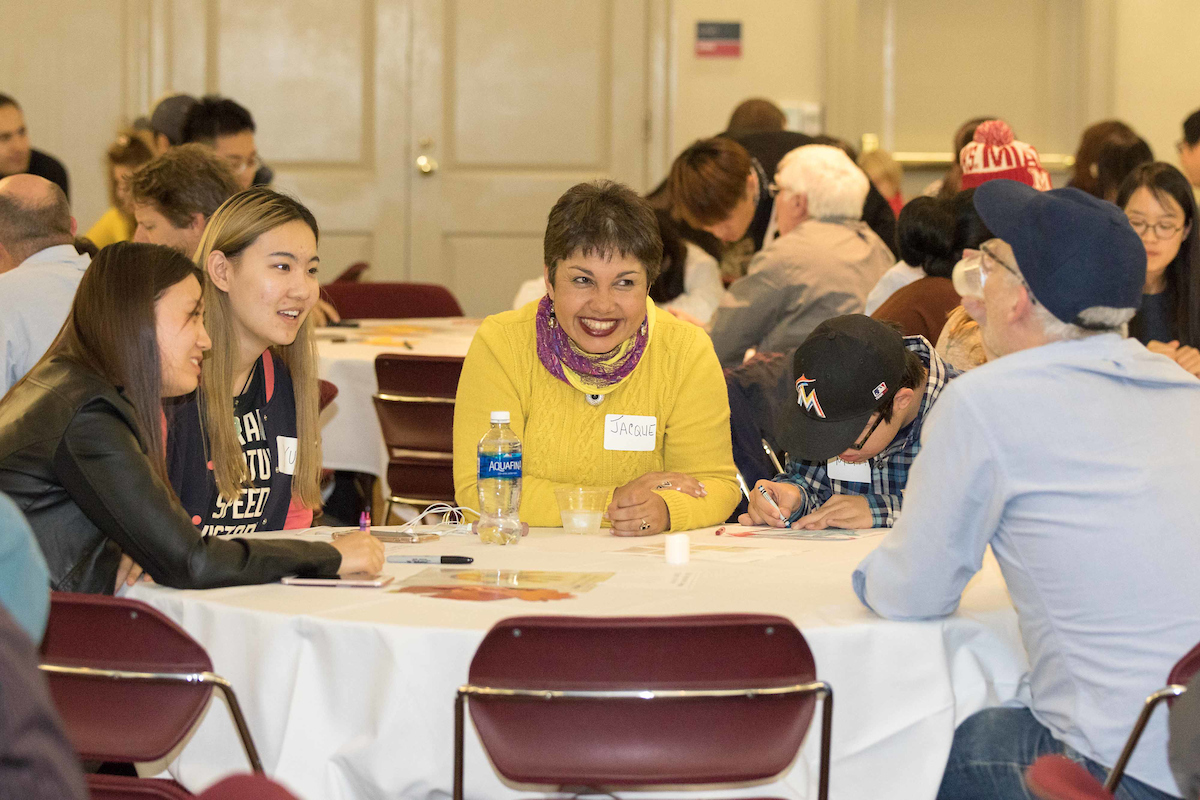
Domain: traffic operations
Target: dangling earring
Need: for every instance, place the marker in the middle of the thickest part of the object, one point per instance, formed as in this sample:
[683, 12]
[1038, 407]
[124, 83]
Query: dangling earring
[553, 321]
[644, 328]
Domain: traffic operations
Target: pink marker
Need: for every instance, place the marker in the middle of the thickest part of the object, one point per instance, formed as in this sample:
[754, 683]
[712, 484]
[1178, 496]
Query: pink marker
[364, 521]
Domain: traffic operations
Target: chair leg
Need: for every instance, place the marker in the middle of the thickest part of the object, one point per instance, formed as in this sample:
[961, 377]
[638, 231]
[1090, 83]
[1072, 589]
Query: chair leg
[826, 743]
[459, 701]
[387, 513]
[239, 720]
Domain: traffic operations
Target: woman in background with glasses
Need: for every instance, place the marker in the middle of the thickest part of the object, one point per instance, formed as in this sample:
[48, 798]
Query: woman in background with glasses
[1158, 200]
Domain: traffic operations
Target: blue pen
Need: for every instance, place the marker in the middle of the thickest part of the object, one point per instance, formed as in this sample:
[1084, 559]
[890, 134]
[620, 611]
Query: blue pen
[763, 491]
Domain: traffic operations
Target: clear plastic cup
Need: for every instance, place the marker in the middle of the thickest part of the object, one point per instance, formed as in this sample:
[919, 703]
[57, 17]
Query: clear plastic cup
[581, 509]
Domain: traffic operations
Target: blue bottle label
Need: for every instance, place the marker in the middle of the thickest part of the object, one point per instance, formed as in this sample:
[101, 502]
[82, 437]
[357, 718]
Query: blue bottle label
[507, 465]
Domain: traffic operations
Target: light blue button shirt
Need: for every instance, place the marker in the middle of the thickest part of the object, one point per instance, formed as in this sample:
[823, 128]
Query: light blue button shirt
[1078, 463]
[36, 297]
[24, 578]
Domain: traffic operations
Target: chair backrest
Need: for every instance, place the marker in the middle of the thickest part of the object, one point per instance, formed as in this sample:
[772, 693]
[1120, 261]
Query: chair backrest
[633, 742]
[391, 300]
[352, 273]
[1185, 668]
[415, 405]
[329, 393]
[109, 720]
[121, 787]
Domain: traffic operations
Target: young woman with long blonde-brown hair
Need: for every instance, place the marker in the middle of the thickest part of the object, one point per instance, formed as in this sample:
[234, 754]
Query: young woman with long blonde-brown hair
[244, 453]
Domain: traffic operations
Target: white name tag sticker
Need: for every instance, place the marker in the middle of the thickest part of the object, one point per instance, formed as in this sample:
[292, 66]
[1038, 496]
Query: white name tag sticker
[286, 463]
[629, 432]
[839, 470]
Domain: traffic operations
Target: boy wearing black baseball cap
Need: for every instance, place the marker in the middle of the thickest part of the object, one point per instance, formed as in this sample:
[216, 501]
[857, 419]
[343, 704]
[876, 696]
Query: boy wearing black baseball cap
[1073, 455]
[862, 393]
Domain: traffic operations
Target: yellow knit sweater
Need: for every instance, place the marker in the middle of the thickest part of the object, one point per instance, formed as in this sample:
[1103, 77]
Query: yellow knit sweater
[678, 381]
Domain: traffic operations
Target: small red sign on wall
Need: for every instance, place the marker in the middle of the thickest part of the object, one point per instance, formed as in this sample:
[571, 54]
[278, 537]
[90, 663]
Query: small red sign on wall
[718, 39]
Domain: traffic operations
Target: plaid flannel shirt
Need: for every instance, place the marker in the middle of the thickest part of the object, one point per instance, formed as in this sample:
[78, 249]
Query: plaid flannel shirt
[889, 469]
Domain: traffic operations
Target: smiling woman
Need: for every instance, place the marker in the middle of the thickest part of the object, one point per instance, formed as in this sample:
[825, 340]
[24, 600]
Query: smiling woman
[602, 387]
[244, 452]
[81, 440]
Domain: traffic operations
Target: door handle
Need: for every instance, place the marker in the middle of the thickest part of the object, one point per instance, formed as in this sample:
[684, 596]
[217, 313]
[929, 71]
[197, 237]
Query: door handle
[426, 165]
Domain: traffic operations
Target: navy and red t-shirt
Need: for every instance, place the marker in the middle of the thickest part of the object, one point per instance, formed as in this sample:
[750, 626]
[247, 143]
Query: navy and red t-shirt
[265, 420]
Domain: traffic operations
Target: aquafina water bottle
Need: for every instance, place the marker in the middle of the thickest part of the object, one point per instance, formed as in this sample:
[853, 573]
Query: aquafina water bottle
[499, 483]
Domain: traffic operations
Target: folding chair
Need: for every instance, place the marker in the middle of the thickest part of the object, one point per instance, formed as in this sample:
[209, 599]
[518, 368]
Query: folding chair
[355, 300]
[415, 404]
[612, 703]
[1053, 776]
[129, 683]
[352, 273]
[235, 787]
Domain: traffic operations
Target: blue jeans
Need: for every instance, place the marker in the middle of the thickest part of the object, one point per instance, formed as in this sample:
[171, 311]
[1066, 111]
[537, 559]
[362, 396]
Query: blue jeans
[993, 748]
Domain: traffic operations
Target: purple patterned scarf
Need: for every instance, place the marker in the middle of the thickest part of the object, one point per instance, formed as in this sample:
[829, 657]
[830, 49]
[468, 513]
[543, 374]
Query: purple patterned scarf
[558, 354]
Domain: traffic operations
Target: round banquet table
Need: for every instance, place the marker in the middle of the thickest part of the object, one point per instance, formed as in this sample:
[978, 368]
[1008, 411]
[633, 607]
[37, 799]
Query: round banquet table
[349, 692]
[350, 435]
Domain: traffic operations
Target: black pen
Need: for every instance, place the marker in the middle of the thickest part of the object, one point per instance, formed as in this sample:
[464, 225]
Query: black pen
[430, 560]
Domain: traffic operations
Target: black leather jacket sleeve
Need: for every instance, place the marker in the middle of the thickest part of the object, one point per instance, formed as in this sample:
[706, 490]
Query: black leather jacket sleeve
[101, 464]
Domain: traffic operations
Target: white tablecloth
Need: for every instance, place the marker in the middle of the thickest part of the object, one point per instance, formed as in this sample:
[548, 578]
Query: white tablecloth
[350, 434]
[349, 692]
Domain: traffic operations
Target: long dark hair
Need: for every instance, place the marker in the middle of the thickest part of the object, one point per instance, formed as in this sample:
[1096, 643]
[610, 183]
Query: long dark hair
[1183, 281]
[111, 329]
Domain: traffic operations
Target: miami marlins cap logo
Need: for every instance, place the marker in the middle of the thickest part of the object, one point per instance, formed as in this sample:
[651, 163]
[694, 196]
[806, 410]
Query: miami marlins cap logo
[807, 397]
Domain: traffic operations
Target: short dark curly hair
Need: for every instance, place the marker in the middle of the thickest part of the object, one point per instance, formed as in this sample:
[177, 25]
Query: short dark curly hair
[603, 218]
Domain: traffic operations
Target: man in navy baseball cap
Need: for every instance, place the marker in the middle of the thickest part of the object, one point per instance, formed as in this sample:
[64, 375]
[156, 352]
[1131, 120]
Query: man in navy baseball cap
[1073, 456]
[1075, 260]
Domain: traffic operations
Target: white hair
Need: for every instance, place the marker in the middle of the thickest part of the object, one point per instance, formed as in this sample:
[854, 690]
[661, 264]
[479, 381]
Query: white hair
[1098, 319]
[833, 184]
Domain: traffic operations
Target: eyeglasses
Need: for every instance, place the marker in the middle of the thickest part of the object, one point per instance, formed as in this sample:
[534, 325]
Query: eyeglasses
[971, 273]
[862, 442]
[239, 165]
[1162, 230]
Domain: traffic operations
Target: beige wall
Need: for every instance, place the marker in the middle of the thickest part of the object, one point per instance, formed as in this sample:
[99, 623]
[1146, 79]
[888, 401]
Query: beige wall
[66, 71]
[1156, 67]
[781, 60]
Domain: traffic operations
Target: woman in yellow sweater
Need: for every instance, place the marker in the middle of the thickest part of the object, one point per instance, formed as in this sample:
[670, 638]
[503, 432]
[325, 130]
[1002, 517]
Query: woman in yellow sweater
[603, 388]
[125, 156]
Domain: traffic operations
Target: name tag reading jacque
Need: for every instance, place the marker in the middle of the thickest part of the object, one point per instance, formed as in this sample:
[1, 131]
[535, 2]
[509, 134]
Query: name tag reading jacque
[629, 432]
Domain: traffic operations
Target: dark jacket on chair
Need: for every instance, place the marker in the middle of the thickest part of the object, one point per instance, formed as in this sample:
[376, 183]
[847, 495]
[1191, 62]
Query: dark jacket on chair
[72, 461]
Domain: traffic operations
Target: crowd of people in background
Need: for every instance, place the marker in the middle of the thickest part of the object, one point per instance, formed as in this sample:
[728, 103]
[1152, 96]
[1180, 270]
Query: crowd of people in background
[992, 363]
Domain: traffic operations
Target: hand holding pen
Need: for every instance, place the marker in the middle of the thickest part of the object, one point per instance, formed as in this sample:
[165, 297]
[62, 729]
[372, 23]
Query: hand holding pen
[771, 504]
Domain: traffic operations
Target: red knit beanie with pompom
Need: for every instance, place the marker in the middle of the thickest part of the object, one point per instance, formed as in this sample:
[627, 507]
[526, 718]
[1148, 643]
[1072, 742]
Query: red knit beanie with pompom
[994, 153]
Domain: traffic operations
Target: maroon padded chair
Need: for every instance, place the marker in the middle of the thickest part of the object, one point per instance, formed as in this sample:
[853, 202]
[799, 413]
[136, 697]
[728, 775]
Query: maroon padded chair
[1177, 681]
[1056, 777]
[328, 393]
[415, 405]
[235, 787]
[612, 703]
[391, 300]
[120, 787]
[352, 273]
[128, 682]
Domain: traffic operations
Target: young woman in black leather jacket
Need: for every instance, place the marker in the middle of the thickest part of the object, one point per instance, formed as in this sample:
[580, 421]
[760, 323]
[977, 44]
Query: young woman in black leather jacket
[81, 440]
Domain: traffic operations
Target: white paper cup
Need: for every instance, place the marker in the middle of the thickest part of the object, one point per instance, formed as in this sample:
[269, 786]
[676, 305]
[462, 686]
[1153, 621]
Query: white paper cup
[581, 509]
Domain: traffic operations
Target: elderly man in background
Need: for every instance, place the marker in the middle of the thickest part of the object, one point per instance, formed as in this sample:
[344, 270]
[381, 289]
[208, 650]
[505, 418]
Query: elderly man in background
[822, 265]
[1073, 455]
[39, 271]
